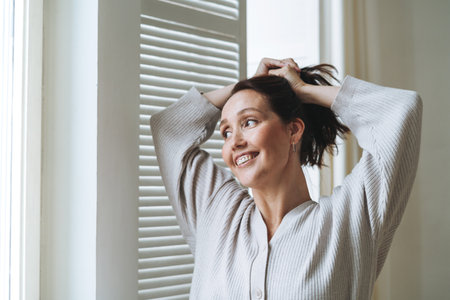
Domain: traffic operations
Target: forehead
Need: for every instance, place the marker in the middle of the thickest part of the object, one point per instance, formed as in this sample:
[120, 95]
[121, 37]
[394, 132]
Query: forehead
[242, 100]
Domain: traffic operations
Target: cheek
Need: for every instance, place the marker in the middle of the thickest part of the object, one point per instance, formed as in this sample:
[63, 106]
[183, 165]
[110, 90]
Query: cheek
[226, 154]
[274, 140]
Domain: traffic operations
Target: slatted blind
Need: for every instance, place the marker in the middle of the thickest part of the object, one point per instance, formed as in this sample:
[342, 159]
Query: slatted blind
[183, 44]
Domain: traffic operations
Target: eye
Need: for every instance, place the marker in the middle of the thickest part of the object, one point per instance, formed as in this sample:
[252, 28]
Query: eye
[250, 123]
[226, 134]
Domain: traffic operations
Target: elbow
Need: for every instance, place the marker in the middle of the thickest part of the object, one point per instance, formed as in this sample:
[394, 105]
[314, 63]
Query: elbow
[417, 102]
[155, 128]
[414, 108]
[154, 120]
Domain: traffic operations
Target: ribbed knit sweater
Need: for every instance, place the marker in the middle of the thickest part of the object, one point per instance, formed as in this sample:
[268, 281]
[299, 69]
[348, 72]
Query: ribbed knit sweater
[330, 249]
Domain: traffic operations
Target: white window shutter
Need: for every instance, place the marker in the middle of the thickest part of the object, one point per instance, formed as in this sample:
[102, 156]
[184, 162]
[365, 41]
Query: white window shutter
[183, 44]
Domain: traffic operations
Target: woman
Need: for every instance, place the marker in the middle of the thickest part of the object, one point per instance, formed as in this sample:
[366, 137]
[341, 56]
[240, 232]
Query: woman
[279, 244]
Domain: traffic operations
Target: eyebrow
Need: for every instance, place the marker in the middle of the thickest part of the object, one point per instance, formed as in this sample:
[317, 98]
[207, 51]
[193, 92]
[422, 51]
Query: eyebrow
[241, 112]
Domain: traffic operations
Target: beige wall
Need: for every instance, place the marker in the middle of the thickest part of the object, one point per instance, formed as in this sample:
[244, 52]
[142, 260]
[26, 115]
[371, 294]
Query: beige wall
[409, 47]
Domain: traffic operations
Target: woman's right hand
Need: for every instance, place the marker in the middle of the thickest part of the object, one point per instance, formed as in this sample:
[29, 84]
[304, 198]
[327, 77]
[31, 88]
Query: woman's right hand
[266, 64]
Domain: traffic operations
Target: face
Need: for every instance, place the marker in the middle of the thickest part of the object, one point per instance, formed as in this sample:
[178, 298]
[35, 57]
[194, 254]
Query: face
[257, 142]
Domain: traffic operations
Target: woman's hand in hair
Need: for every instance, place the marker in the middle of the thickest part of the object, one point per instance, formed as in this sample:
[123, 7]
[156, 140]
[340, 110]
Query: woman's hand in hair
[308, 93]
[291, 72]
[268, 64]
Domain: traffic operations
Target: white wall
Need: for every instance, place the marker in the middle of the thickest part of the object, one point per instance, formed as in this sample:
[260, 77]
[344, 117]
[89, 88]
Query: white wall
[118, 141]
[409, 47]
[281, 29]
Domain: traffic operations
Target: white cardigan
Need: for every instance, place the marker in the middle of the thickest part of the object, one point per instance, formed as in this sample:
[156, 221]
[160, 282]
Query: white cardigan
[330, 249]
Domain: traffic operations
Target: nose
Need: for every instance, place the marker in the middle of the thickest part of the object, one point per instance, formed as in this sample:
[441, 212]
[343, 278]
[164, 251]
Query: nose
[238, 141]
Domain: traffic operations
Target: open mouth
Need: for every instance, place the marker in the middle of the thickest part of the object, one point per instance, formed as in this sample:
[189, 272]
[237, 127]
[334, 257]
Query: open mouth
[243, 159]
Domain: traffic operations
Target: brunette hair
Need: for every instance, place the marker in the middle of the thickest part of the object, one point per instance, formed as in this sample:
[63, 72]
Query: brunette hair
[321, 124]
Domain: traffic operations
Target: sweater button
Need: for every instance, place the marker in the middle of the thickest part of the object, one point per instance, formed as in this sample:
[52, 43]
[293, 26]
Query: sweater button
[258, 294]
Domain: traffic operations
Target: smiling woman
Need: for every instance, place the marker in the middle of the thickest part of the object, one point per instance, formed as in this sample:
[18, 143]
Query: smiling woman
[255, 139]
[278, 243]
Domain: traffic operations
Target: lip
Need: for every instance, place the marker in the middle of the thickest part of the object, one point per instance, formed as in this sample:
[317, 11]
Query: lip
[254, 154]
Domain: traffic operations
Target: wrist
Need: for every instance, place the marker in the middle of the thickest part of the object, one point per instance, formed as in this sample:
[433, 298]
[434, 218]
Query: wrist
[317, 94]
[303, 91]
[220, 96]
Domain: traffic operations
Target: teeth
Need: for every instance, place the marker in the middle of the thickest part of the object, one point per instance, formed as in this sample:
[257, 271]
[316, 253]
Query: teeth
[244, 159]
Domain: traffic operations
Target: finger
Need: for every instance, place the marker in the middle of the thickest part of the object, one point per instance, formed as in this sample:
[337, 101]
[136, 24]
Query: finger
[292, 63]
[289, 61]
[276, 72]
[267, 64]
[273, 72]
[272, 62]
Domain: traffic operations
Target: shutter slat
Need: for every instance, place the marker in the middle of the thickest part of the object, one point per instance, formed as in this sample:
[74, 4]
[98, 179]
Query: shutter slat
[152, 191]
[161, 241]
[148, 160]
[144, 129]
[166, 271]
[156, 262]
[156, 101]
[144, 119]
[146, 140]
[185, 37]
[152, 221]
[149, 171]
[176, 297]
[229, 3]
[188, 57]
[186, 29]
[161, 92]
[175, 64]
[150, 110]
[146, 151]
[154, 201]
[168, 44]
[150, 180]
[165, 82]
[151, 283]
[164, 251]
[159, 231]
[155, 211]
[187, 76]
[222, 27]
[211, 7]
[164, 292]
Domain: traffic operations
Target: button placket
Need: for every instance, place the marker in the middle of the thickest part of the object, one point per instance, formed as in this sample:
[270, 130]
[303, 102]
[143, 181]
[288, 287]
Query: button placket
[259, 263]
[258, 274]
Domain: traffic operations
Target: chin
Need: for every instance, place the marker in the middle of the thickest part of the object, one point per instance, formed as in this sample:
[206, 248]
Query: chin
[247, 181]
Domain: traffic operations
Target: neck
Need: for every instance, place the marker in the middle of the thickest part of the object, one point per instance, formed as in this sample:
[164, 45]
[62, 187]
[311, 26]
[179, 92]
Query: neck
[274, 201]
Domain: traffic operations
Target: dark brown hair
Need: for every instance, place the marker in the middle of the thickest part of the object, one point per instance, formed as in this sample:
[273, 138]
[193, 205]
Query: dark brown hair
[321, 124]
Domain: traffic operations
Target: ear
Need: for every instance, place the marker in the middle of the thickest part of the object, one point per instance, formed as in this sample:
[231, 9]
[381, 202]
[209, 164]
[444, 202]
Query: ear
[296, 128]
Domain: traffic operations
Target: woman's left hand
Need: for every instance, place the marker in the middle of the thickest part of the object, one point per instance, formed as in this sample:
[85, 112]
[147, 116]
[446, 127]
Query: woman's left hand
[291, 72]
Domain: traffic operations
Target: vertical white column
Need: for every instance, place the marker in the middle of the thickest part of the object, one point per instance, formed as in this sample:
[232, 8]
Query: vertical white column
[69, 159]
[6, 74]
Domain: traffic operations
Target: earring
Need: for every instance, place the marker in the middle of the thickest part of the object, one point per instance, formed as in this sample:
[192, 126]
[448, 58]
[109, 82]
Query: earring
[293, 147]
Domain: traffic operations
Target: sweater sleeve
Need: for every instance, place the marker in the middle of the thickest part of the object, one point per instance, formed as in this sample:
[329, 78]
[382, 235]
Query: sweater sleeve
[189, 174]
[386, 123]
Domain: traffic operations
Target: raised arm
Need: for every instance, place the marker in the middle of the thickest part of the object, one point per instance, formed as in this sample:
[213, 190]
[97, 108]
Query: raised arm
[387, 124]
[190, 176]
